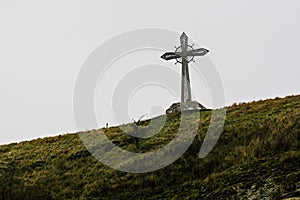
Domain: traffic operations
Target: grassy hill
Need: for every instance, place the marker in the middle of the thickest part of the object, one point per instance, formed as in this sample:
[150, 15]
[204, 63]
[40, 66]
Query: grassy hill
[256, 157]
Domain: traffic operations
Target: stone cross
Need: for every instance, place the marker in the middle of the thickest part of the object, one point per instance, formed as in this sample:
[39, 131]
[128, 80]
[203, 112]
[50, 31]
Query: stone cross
[185, 54]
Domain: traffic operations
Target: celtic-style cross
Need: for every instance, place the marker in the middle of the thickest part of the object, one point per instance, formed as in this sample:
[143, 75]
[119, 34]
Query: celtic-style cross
[185, 56]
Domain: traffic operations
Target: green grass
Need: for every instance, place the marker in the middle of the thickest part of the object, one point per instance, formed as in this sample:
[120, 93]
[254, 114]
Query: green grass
[257, 156]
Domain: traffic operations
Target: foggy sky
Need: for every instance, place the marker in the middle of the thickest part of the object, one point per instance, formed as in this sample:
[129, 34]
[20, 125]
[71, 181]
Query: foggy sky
[43, 44]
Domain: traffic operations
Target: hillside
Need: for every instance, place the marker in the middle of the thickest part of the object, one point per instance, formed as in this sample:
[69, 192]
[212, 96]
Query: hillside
[256, 157]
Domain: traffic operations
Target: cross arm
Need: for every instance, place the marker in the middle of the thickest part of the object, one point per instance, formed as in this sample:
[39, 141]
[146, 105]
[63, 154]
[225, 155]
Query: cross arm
[197, 52]
[170, 56]
[184, 42]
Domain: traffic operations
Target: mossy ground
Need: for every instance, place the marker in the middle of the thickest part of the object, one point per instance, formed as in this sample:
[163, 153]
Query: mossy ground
[257, 156]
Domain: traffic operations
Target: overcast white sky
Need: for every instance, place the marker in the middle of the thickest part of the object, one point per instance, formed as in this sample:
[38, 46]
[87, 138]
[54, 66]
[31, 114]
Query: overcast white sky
[43, 44]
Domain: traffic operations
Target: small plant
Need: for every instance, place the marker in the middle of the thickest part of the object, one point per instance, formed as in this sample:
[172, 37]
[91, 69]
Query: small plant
[137, 130]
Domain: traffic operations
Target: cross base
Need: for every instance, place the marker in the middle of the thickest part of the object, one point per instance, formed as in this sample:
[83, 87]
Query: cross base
[185, 106]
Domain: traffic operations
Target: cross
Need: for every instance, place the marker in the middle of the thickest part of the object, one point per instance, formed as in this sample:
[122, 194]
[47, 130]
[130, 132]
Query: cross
[185, 56]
